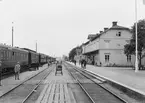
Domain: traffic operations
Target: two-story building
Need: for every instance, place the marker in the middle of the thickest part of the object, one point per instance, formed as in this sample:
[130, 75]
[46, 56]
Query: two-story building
[107, 47]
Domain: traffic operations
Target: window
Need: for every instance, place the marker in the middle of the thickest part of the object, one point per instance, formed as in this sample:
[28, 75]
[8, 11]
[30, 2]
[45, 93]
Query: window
[10, 55]
[13, 53]
[107, 43]
[118, 34]
[107, 57]
[4, 55]
[7, 55]
[128, 58]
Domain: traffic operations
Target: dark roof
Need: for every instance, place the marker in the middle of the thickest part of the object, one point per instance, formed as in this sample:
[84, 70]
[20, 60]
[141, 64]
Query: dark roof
[29, 50]
[91, 36]
[11, 48]
[98, 35]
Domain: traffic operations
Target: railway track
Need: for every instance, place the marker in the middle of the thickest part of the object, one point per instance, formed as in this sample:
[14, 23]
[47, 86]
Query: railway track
[92, 86]
[22, 92]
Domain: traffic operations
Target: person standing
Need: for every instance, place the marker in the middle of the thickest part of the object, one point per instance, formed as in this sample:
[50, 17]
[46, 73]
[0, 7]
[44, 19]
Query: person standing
[82, 63]
[17, 70]
[85, 63]
[100, 64]
[75, 62]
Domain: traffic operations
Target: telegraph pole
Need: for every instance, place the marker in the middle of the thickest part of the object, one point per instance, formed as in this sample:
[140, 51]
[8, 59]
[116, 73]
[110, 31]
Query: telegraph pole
[136, 50]
[36, 46]
[12, 34]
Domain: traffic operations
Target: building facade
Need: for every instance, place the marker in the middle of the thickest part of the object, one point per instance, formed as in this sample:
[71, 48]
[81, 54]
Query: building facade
[107, 48]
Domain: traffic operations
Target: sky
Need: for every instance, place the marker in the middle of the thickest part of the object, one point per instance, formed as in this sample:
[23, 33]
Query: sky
[60, 25]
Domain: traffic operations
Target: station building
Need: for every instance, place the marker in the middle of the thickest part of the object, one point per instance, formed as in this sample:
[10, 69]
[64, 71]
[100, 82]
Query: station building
[107, 47]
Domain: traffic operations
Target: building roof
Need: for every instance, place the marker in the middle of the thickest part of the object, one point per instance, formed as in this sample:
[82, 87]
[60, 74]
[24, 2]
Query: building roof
[91, 36]
[86, 43]
[114, 27]
[98, 35]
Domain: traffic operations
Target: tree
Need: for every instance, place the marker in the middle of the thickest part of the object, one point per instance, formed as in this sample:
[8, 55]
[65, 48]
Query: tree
[73, 52]
[130, 48]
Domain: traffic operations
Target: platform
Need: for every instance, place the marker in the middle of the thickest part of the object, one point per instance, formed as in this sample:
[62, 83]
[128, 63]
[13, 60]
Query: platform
[56, 88]
[124, 76]
[10, 82]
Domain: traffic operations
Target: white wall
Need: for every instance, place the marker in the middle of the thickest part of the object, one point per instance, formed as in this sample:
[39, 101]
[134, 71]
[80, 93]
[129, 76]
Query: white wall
[116, 56]
[114, 42]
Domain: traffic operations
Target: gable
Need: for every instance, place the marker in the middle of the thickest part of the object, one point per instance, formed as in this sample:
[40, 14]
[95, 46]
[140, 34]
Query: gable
[117, 34]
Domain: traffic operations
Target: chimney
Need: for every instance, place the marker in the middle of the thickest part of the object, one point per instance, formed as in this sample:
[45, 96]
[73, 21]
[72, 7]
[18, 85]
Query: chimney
[101, 32]
[114, 23]
[105, 29]
[97, 34]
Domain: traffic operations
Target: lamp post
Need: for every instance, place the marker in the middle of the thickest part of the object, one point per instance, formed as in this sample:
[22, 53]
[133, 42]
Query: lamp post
[12, 35]
[36, 45]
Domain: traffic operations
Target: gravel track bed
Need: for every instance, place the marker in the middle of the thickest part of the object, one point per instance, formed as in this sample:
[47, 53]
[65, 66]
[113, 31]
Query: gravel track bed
[98, 94]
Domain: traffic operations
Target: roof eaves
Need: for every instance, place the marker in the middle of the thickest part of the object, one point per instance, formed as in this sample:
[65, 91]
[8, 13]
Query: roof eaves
[86, 43]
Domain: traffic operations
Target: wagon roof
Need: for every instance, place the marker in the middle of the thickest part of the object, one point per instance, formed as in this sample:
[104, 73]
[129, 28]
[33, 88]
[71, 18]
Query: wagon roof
[27, 49]
[11, 48]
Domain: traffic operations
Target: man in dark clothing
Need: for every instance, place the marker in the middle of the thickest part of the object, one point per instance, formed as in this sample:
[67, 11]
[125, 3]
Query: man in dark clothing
[93, 62]
[85, 63]
[100, 64]
[82, 63]
[75, 62]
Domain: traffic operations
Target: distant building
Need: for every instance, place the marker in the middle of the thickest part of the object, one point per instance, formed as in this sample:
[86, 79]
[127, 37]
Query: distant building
[64, 57]
[107, 47]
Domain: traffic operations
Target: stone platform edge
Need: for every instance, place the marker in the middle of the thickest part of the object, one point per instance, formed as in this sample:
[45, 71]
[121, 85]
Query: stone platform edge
[132, 92]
